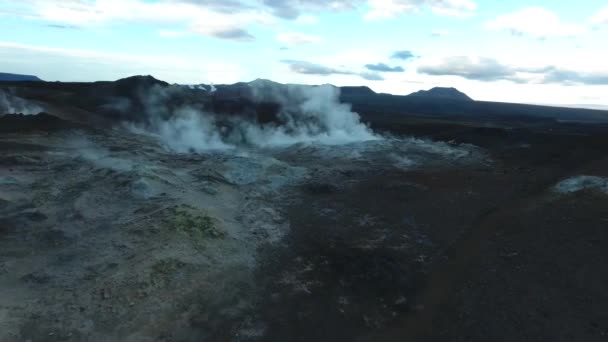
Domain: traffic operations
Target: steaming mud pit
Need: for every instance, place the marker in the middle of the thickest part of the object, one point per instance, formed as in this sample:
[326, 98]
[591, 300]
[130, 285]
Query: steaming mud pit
[108, 236]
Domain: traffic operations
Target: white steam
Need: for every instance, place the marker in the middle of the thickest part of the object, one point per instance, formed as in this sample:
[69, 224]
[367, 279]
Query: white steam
[580, 183]
[190, 131]
[10, 104]
[85, 149]
[308, 115]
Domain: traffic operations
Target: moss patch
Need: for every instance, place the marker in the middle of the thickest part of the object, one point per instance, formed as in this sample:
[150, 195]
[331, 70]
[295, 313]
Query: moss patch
[196, 224]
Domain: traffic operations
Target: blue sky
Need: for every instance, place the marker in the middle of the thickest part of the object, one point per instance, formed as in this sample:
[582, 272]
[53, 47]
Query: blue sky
[551, 52]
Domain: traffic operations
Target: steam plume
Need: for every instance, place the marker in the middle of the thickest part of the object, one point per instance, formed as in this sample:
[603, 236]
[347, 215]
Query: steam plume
[308, 114]
[10, 104]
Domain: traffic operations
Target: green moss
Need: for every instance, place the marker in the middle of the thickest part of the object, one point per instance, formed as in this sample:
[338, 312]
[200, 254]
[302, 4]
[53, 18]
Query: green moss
[197, 225]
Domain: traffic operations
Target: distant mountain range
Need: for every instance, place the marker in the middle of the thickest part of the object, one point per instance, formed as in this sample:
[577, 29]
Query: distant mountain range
[16, 77]
[124, 99]
[241, 88]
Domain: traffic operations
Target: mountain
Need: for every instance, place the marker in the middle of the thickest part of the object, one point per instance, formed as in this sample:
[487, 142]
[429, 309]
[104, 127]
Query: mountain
[130, 85]
[356, 91]
[434, 104]
[16, 77]
[444, 93]
[126, 99]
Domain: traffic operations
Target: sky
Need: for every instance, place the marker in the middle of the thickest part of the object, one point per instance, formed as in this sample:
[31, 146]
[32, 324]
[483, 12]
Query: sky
[544, 52]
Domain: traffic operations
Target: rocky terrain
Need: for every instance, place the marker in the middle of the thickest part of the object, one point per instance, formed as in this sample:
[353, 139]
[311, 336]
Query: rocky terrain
[139, 211]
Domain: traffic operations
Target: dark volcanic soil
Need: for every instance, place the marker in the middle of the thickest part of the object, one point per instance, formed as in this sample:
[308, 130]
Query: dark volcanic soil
[107, 236]
[468, 254]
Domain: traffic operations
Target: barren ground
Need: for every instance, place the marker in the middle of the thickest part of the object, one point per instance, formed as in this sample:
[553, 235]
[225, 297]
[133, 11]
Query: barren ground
[460, 236]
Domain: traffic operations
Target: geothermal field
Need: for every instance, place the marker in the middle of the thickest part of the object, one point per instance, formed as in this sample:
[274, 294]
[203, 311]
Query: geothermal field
[136, 210]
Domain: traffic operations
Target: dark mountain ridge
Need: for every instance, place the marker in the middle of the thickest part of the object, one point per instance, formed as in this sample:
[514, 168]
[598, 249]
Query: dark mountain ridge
[18, 78]
[444, 93]
[126, 98]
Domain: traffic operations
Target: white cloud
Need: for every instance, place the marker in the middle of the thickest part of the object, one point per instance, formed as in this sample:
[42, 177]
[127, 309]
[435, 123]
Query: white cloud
[472, 68]
[211, 18]
[522, 72]
[87, 13]
[296, 38]
[601, 17]
[293, 9]
[241, 12]
[537, 22]
[314, 69]
[385, 9]
[454, 8]
[221, 30]
[228, 19]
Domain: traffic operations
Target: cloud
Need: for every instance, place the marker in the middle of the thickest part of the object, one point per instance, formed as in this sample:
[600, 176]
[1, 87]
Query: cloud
[479, 69]
[292, 9]
[454, 8]
[488, 69]
[386, 9]
[63, 27]
[308, 68]
[185, 12]
[565, 76]
[99, 12]
[296, 38]
[403, 54]
[601, 17]
[381, 67]
[371, 76]
[228, 27]
[228, 33]
[571, 77]
[536, 69]
[87, 11]
[536, 22]
[439, 33]
[225, 19]
[214, 18]
[223, 6]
